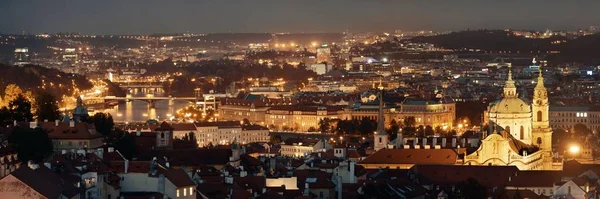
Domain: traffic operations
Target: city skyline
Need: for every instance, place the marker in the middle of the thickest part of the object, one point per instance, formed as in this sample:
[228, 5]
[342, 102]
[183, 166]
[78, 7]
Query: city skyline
[137, 17]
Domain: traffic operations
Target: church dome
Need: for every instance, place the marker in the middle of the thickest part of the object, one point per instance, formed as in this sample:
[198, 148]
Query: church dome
[510, 105]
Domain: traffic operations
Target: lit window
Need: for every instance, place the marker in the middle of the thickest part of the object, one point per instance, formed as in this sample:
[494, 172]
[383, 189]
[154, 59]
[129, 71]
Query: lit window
[184, 192]
[177, 192]
[191, 191]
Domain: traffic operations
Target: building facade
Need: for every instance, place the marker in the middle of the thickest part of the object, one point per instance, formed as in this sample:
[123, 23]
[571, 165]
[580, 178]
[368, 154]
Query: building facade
[524, 138]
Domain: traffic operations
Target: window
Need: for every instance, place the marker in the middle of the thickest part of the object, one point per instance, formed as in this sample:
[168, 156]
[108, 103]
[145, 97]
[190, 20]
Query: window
[379, 140]
[162, 135]
[184, 192]
[539, 141]
[191, 191]
[178, 193]
[321, 194]
[539, 116]
[522, 133]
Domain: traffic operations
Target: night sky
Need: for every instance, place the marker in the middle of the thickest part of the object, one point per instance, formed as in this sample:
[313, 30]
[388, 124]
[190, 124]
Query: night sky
[209, 16]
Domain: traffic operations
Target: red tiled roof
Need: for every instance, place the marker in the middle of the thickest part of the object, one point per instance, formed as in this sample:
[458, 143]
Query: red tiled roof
[64, 131]
[178, 177]
[488, 176]
[534, 179]
[52, 186]
[412, 156]
[183, 127]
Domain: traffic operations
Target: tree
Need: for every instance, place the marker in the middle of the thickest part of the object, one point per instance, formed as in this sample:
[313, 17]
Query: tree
[366, 126]
[421, 131]
[325, 125]
[393, 130]
[581, 130]
[10, 93]
[246, 122]
[126, 145]
[31, 144]
[410, 121]
[46, 107]
[20, 109]
[103, 122]
[429, 131]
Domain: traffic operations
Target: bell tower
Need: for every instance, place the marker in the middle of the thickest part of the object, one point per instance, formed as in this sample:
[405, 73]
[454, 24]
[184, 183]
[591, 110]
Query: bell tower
[541, 130]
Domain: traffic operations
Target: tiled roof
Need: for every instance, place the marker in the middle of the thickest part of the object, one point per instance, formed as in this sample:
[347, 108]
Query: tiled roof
[301, 141]
[452, 174]
[534, 179]
[52, 186]
[178, 177]
[183, 127]
[412, 156]
[64, 131]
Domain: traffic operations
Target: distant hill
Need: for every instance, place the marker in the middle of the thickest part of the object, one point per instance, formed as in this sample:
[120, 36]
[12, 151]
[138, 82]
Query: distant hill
[30, 77]
[582, 49]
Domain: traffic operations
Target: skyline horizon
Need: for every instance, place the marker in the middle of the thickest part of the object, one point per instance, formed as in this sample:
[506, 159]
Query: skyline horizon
[299, 32]
[272, 16]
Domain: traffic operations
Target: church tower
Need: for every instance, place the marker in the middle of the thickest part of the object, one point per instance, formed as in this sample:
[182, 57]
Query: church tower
[541, 130]
[381, 137]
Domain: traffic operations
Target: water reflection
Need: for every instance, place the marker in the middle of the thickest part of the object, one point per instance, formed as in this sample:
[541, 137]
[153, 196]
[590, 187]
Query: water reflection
[140, 111]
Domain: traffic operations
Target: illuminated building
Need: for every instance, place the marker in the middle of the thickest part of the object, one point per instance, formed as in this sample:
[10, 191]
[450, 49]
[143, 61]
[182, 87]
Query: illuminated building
[525, 138]
[324, 54]
[21, 56]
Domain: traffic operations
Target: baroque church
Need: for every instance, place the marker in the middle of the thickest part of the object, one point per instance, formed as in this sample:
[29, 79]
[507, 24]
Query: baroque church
[521, 134]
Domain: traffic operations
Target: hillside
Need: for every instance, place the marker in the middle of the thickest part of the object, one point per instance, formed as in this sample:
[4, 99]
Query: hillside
[582, 49]
[36, 78]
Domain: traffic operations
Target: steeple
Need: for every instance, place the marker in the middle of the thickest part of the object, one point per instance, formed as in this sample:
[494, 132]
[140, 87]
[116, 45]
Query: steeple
[540, 82]
[381, 137]
[380, 118]
[510, 90]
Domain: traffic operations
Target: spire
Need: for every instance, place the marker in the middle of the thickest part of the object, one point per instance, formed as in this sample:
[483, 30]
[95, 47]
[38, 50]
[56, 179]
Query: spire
[510, 90]
[540, 83]
[380, 118]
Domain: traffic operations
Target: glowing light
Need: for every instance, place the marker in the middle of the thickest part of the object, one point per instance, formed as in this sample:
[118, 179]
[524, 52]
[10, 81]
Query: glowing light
[574, 149]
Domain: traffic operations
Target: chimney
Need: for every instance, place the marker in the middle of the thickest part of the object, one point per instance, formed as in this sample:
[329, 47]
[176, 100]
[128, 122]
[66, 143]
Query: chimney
[352, 172]
[56, 122]
[72, 124]
[443, 142]
[100, 153]
[33, 125]
[126, 165]
[339, 187]
[306, 190]
[453, 142]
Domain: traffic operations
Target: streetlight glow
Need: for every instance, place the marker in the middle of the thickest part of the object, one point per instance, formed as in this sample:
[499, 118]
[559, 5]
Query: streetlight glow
[574, 149]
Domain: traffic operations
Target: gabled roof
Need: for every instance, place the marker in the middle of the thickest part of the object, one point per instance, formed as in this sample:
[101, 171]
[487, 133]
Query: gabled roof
[52, 186]
[412, 156]
[164, 126]
[179, 178]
